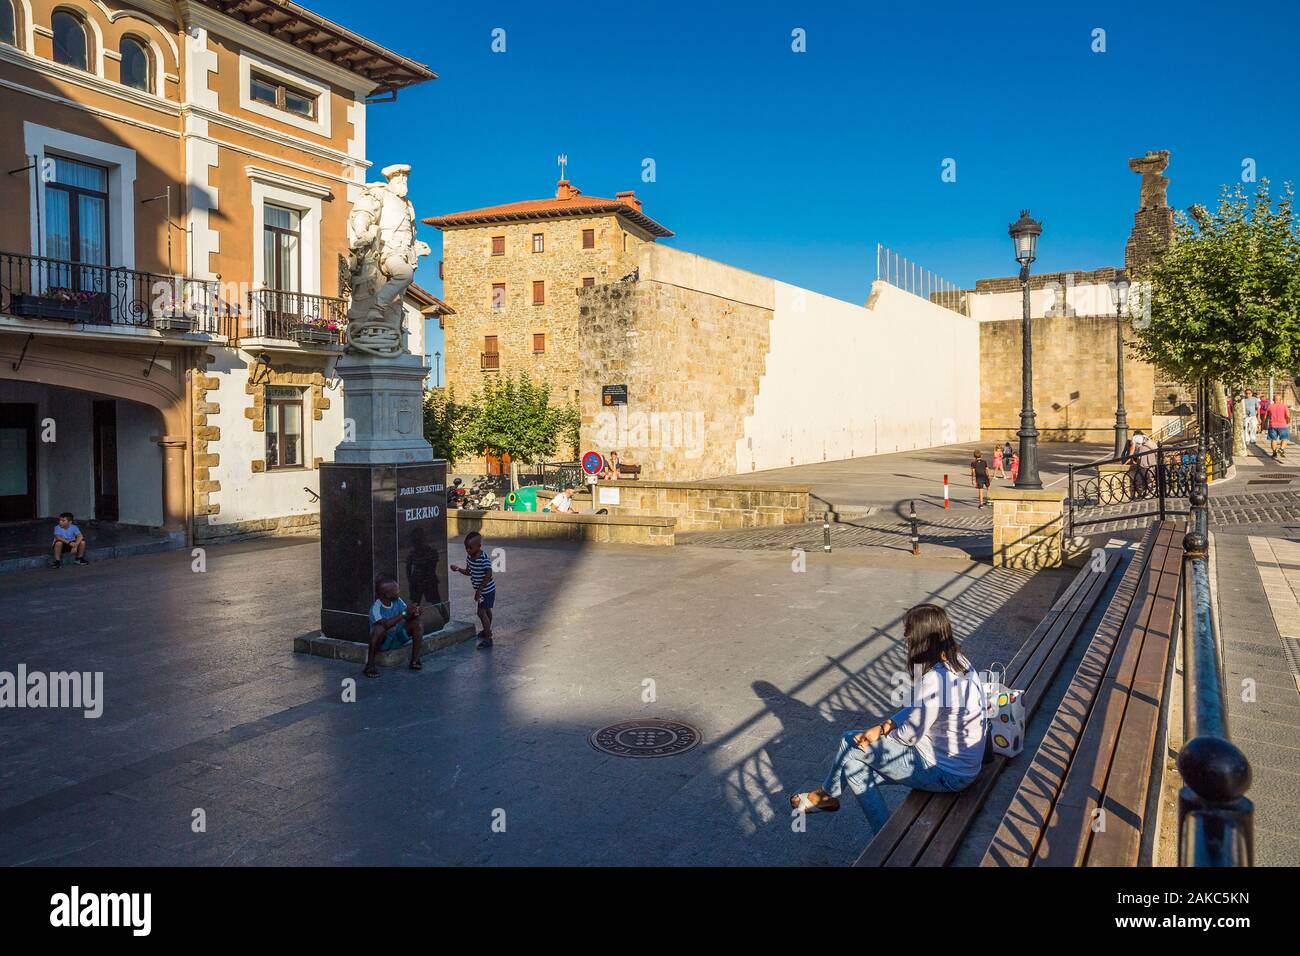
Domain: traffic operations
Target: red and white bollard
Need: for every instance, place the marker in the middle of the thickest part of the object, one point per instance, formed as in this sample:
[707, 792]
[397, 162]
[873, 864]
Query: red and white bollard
[945, 491]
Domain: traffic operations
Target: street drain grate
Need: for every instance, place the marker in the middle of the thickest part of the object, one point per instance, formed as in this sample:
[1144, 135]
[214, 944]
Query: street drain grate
[1277, 474]
[1268, 481]
[645, 737]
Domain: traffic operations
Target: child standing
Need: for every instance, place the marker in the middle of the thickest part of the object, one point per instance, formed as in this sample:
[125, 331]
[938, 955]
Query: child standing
[1015, 466]
[479, 569]
[979, 475]
[997, 461]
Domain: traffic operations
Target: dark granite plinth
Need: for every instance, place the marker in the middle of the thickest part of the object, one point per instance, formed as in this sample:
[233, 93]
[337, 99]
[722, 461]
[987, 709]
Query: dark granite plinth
[377, 519]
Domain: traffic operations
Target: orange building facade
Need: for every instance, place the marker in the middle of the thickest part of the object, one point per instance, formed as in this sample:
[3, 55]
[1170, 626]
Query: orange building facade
[172, 290]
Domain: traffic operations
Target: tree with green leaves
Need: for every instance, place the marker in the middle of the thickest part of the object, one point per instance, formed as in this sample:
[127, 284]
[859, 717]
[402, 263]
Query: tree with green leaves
[446, 423]
[1222, 303]
[514, 416]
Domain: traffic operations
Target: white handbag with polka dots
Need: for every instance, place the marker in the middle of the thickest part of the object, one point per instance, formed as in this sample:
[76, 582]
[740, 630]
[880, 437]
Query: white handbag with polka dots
[1006, 713]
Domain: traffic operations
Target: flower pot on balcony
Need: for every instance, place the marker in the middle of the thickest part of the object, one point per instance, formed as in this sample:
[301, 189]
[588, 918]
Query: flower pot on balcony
[90, 311]
[175, 320]
[314, 335]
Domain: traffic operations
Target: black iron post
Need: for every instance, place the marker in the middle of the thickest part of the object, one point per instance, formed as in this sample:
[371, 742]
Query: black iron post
[826, 532]
[916, 535]
[1024, 233]
[1215, 818]
[1121, 416]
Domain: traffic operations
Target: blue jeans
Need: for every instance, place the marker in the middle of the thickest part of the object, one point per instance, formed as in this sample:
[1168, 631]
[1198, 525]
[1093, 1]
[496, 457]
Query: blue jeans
[885, 761]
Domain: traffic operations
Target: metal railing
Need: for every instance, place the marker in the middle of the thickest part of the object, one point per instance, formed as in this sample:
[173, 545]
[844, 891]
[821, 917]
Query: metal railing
[1215, 819]
[491, 361]
[297, 316]
[910, 277]
[58, 290]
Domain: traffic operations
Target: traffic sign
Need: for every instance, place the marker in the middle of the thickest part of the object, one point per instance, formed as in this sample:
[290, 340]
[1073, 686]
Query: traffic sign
[593, 462]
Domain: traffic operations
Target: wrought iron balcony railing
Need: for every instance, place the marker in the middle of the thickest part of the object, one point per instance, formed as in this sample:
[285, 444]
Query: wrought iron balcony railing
[307, 319]
[37, 287]
[491, 361]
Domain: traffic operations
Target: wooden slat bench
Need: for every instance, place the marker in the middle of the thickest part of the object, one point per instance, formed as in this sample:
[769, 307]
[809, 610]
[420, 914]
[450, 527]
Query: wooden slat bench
[927, 828]
[1099, 748]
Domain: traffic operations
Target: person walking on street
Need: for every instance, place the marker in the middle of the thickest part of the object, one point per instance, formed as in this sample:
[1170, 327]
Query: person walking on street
[1279, 427]
[997, 462]
[979, 475]
[1250, 413]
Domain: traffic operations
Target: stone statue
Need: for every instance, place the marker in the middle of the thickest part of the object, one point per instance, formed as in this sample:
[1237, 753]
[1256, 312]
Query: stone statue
[1154, 185]
[382, 255]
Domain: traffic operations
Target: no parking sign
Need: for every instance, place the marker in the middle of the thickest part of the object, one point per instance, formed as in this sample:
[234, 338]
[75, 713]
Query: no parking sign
[593, 463]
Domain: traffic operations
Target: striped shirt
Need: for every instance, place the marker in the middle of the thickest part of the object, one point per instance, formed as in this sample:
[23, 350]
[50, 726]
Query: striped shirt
[478, 568]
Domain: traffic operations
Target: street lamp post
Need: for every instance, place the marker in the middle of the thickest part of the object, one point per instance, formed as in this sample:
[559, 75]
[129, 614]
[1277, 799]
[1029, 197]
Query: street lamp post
[437, 357]
[1119, 296]
[1024, 234]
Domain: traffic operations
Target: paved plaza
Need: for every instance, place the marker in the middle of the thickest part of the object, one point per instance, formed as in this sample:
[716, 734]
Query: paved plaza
[206, 708]
[208, 714]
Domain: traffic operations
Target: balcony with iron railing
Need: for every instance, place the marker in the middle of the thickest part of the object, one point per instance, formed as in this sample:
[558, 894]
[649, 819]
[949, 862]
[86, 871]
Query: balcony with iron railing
[312, 321]
[96, 299]
[491, 361]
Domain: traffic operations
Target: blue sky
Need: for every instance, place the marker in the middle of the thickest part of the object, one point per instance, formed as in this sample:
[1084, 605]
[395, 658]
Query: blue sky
[795, 165]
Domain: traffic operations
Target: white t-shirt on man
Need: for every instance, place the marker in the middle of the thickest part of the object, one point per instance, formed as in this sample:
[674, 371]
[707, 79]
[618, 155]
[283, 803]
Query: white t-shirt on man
[562, 503]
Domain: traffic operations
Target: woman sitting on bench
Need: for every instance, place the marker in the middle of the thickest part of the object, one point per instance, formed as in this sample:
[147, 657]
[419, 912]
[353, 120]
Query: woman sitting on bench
[936, 743]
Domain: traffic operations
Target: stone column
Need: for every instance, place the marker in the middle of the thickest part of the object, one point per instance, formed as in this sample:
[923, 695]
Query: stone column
[1028, 528]
[173, 490]
[383, 411]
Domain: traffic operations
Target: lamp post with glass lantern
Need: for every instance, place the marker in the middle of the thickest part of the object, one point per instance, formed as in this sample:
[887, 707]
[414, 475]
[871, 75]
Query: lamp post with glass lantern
[1024, 234]
[1119, 296]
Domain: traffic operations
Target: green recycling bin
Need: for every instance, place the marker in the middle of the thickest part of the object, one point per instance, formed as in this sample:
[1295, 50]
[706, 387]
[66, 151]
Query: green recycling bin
[523, 499]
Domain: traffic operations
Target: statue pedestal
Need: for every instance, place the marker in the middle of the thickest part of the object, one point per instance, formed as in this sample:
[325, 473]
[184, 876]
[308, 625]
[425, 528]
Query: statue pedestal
[383, 411]
[382, 519]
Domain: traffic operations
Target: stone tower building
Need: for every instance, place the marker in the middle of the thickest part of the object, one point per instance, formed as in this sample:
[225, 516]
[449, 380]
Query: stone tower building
[511, 272]
[1153, 223]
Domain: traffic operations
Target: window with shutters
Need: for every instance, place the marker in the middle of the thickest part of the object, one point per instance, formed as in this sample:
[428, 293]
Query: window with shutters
[498, 245]
[539, 292]
[589, 238]
[539, 343]
[498, 296]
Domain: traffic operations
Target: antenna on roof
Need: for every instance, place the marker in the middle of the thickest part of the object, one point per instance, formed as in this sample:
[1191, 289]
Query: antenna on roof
[563, 160]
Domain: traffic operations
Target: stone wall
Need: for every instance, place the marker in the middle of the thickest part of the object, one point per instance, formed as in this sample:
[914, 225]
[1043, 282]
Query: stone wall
[470, 270]
[1028, 528]
[1073, 356]
[596, 529]
[711, 507]
[691, 357]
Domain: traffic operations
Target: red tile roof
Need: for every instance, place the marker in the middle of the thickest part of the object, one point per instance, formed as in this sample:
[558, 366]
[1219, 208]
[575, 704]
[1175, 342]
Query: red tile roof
[568, 202]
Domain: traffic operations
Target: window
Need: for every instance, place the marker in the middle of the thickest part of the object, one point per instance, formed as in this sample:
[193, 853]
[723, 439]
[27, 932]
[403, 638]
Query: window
[539, 292]
[281, 247]
[589, 238]
[491, 357]
[283, 427]
[498, 245]
[539, 242]
[263, 88]
[70, 46]
[8, 25]
[498, 296]
[76, 224]
[135, 65]
[539, 343]
[588, 281]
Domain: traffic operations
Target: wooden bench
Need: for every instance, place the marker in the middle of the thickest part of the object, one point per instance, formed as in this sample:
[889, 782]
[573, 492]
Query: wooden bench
[1099, 749]
[927, 828]
[628, 472]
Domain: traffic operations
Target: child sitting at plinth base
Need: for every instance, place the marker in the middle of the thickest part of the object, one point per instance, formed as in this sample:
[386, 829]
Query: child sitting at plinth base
[392, 624]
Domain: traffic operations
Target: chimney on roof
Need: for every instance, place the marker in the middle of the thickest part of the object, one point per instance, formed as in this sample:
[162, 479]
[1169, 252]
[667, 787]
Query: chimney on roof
[628, 196]
[566, 190]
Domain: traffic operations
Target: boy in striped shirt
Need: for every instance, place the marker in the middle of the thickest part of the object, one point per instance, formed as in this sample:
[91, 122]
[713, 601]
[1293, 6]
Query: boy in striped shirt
[479, 569]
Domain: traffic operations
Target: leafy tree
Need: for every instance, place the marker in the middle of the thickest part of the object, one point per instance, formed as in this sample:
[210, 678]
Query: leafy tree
[514, 416]
[446, 424]
[1224, 298]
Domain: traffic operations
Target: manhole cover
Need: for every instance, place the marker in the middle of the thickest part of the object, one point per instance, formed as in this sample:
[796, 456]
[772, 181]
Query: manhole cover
[646, 737]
